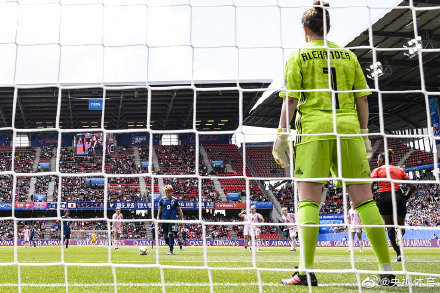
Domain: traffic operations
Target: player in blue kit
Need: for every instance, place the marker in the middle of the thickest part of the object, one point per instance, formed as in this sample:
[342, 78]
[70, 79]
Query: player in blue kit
[66, 227]
[184, 231]
[153, 233]
[168, 209]
[31, 238]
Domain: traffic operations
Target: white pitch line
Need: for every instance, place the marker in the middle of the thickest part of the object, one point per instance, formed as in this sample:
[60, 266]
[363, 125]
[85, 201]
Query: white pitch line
[186, 284]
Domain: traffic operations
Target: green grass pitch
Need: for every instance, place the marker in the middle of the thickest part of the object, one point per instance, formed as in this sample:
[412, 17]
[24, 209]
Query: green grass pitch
[47, 279]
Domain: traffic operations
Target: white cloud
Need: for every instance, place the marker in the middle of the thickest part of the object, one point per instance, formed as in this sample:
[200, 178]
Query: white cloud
[7, 63]
[213, 26]
[37, 64]
[81, 64]
[168, 26]
[8, 21]
[38, 24]
[209, 64]
[125, 25]
[258, 27]
[125, 64]
[170, 64]
[81, 24]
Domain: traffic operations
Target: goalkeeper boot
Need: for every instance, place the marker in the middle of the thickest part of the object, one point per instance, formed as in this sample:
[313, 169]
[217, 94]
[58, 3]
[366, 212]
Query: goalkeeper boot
[300, 280]
[170, 252]
[399, 258]
[387, 280]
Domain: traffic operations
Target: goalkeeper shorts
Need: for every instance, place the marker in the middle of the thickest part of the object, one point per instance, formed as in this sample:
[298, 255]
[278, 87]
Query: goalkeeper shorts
[317, 159]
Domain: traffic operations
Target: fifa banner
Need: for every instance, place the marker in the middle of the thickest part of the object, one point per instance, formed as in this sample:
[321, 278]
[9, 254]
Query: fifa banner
[138, 205]
[190, 138]
[224, 242]
[95, 104]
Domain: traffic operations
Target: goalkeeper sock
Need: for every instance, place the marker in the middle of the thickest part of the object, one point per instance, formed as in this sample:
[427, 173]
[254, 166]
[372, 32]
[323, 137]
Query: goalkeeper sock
[369, 214]
[67, 243]
[308, 213]
[171, 243]
[167, 241]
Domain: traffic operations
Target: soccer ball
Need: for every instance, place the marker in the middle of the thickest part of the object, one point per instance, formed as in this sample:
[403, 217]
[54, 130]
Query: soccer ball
[143, 250]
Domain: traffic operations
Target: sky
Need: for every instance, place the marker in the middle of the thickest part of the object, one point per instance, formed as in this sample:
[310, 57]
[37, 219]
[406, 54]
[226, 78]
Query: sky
[139, 41]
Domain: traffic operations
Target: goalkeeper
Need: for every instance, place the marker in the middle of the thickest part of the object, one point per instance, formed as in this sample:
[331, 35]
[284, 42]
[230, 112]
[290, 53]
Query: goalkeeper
[317, 156]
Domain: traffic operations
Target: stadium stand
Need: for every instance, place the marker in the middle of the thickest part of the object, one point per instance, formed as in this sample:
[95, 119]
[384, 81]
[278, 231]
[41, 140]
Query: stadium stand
[124, 189]
[22, 189]
[46, 154]
[71, 163]
[121, 162]
[6, 189]
[24, 159]
[230, 155]
[5, 158]
[76, 189]
[262, 160]
[176, 159]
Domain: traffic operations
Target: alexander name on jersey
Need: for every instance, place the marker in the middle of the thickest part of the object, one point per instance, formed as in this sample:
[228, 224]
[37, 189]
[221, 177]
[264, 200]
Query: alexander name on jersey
[309, 55]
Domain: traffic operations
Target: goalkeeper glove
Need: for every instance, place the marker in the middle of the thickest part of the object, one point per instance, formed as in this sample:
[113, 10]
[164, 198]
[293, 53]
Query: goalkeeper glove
[368, 146]
[281, 147]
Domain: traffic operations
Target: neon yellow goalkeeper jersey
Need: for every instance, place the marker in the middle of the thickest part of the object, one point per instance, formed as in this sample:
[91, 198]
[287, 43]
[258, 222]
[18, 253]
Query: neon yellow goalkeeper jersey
[307, 69]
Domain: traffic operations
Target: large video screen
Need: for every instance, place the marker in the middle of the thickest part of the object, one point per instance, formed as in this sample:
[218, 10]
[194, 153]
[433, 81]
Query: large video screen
[91, 143]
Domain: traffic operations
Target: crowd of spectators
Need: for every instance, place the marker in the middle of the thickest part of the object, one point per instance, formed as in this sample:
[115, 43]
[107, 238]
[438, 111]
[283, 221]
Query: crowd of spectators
[24, 159]
[125, 189]
[176, 159]
[186, 189]
[6, 230]
[46, 155]
[121, 162]
[423, 207]
[71, 163]
[5, 158]
[6, 189]
[22, 189]
[76, 189]
[42, 186]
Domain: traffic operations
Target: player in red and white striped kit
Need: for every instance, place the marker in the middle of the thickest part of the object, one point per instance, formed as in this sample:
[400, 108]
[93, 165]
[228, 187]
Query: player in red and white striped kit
[117, 227]
[293, 233]
[251, 230]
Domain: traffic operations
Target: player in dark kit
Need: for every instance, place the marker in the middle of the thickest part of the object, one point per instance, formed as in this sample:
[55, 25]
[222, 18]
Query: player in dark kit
[66, 227]
[31, 238]
[184, 235]
[153, 233]
[168, 208]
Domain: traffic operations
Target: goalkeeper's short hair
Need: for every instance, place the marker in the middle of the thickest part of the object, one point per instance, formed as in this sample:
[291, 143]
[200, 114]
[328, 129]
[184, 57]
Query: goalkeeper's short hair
[168, 188]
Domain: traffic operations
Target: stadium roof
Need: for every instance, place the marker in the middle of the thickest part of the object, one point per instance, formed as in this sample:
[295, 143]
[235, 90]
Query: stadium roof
[171, 108]
[401, 73]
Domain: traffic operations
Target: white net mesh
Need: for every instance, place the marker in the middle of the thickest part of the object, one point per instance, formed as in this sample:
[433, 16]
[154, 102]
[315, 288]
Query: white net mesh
[92, 31]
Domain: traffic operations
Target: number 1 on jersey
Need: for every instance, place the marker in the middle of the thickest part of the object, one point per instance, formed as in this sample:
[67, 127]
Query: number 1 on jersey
[334, 84]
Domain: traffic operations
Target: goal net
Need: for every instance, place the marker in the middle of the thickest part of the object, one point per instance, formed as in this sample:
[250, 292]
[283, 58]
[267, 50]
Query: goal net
[103, 103]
